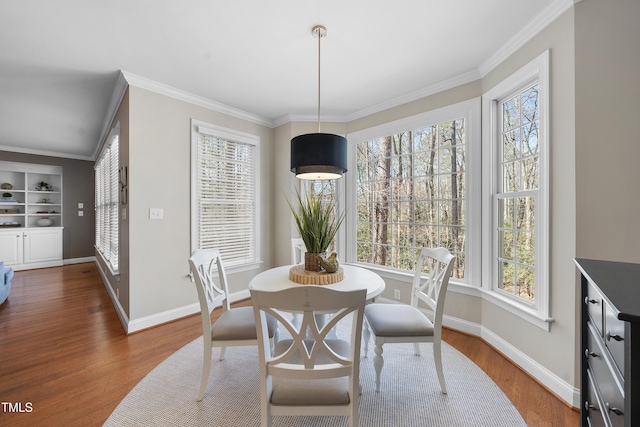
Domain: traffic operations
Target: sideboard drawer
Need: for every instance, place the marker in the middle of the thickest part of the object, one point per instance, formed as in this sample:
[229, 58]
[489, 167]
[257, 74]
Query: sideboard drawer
[614, 336]
[605, 379]
[592, 405]
[594, 303]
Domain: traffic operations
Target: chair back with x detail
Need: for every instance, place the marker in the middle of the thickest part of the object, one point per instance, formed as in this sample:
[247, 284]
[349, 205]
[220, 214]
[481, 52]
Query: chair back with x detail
[310, 374]
[402, 323]
[235, 326]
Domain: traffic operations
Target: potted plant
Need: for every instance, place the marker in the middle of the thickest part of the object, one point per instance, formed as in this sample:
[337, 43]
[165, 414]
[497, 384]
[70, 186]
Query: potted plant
[317, 224]
[43, 186]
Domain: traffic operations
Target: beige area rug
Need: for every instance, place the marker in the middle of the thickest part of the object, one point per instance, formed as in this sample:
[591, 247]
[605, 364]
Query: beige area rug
[410, 394]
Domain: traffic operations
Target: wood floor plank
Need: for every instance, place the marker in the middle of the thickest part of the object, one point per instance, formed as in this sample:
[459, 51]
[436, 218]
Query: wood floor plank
[64, 350]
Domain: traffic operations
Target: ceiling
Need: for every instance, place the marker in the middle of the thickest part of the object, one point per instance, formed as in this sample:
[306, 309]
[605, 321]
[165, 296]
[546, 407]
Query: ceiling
[60, 60]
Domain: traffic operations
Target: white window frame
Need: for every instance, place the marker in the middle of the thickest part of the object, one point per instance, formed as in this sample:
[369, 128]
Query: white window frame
[469, 111]
[231, 135]
[107, 169]
[538, 312]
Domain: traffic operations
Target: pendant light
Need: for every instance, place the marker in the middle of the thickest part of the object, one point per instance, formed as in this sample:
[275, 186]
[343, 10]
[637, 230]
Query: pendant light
[319, 155]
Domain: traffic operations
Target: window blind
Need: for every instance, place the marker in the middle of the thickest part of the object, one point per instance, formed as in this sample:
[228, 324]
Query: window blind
[226, 198]
[107, 203]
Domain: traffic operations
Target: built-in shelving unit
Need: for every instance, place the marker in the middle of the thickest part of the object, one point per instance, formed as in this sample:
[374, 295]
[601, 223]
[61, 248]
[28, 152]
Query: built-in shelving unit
[30, 215]
[27, 201]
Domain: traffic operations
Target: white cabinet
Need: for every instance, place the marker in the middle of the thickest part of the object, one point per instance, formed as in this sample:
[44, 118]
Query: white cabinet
[30, 215]
[31, 248]
[44, 245]
[11, 251]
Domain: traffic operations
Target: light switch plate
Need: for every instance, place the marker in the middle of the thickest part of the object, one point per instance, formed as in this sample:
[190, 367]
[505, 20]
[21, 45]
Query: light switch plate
[156, 213]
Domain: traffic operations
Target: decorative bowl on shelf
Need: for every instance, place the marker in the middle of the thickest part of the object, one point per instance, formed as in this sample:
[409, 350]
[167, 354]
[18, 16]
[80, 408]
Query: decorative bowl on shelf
[44, 222]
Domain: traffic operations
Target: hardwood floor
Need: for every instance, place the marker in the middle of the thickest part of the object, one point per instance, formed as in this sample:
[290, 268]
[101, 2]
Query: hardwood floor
[65, 359]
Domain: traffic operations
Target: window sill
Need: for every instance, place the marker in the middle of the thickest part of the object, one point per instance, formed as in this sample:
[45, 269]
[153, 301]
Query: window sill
[525, 313]
[407, 277]
[243, 267]
[114, 273]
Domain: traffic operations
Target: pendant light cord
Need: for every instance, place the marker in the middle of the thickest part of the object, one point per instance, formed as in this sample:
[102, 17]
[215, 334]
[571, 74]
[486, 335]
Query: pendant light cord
[319, 37]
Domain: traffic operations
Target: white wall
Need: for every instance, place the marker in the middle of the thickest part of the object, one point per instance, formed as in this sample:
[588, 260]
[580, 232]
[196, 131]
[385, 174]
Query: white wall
[607, 137]
[555, 350]
[159, 177]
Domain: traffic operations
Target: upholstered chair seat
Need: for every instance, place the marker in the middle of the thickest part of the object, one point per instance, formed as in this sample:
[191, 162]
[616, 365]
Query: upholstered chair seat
[398, 320]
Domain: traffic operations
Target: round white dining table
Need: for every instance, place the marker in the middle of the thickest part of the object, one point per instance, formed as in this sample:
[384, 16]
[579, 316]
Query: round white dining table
[277, 279]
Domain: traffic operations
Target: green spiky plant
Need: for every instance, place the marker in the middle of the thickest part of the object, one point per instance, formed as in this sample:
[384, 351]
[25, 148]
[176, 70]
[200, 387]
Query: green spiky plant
[315, 221]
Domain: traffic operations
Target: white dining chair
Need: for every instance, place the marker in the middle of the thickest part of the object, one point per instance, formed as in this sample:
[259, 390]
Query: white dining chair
[298, 249]
[402, 323]
[309, 374]
[235, 326]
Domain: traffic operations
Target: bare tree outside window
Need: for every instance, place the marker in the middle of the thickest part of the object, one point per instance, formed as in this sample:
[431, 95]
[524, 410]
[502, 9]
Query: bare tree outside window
[516, 201]
[411, 193]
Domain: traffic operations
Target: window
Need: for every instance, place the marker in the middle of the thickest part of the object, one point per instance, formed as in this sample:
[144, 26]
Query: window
[107, 203]
[225, 193]
[411, 189]
[516, 145]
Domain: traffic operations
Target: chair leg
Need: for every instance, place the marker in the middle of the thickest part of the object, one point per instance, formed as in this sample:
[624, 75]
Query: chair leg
[266, 418]
[366, 335]
[416, 348]
[437, 358]
[222, 350]
[378, 363]
[354, 419]
[206, 369]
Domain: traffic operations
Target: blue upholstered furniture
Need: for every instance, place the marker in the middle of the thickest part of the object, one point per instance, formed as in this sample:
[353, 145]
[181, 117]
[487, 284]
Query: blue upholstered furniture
[5, 285]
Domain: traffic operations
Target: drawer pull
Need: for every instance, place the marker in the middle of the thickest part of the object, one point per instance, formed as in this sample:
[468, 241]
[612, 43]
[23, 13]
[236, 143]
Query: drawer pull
[614, 410]
[590, 353]
[614, 337]
[590, 301]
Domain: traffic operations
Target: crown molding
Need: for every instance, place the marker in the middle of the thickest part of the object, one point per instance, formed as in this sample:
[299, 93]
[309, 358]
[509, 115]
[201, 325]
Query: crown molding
[415, 95]
[162, 89]
[116, 98]
[386, 105]
[37, 152]
[540, 22]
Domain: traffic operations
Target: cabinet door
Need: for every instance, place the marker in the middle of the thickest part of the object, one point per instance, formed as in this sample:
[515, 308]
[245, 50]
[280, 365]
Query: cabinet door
[42, 245]
[11, 247]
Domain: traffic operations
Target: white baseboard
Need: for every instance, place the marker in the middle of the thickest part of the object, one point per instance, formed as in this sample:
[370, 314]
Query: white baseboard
[124, 319]
[79, 260]
[146, 322]
[34, 265]
[564, 390]
[557, 385]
